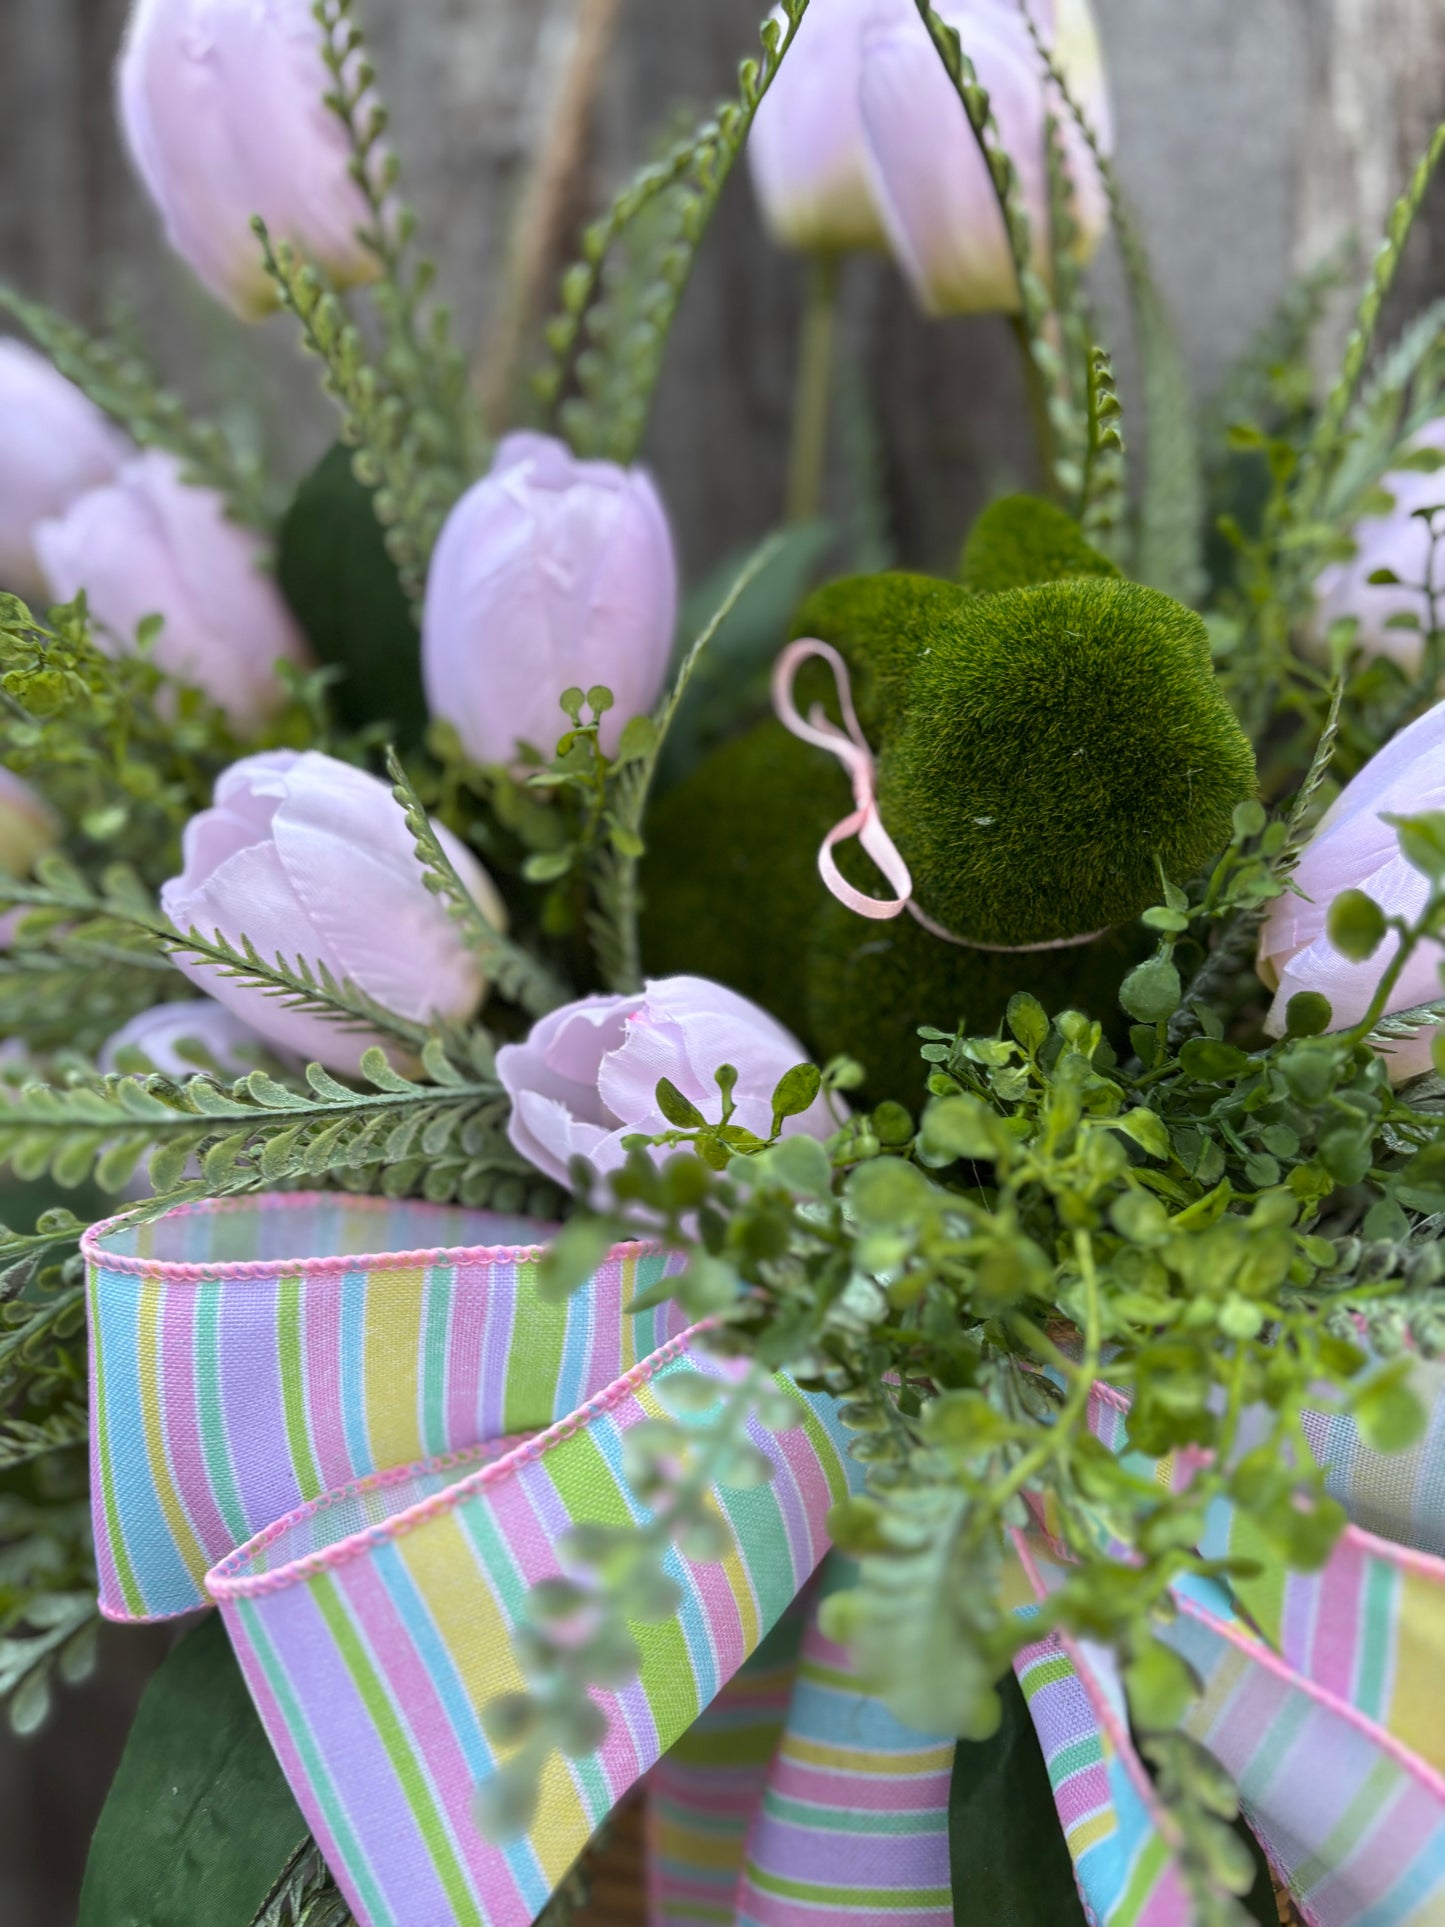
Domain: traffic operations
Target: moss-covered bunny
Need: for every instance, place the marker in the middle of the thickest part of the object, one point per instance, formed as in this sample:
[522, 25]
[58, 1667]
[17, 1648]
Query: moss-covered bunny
[1041, 751]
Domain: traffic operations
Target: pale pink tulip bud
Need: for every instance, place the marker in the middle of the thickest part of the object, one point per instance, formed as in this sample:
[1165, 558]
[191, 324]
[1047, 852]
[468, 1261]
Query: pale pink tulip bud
[806, 149]
[929, 178]
[311, 858]
[146, 544]
[1354, 850]
[1398, 540]
[28, 825]
[54, 444]
[160, 1032]
[551, 573]
[587, 1076]
[223, 110]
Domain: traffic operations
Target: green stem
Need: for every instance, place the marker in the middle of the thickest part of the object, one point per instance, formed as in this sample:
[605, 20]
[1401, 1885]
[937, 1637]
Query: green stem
[1038, 404]
[813, 396]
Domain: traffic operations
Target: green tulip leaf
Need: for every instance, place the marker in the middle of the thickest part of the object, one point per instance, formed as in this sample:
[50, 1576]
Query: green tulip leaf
[343, 587]
[1010, 1865]
[199, 1821]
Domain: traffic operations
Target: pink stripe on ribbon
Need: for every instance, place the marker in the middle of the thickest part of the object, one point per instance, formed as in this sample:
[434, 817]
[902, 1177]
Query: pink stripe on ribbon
[851, 747]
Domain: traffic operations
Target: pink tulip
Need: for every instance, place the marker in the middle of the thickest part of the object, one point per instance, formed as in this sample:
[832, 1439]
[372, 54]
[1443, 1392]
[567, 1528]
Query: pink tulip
[862, 141]
[587, 1075]
[929, 179]
[161, 1031]
[146, 544]
[222, 107]
[1396, 540]
[1353, 850]
[55, 444]
[311, 858]
[807, 149]
[550, 573]
[28, 825]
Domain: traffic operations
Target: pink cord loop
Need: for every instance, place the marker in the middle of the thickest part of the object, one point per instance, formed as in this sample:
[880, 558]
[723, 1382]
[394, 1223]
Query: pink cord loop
[851, 748]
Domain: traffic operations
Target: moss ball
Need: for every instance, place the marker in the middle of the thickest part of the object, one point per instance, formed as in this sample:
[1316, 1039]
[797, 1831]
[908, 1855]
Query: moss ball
[732, 892]
[1021, 541]
[870, 986]
[1056, 745]
[730, 879]
[879, 623]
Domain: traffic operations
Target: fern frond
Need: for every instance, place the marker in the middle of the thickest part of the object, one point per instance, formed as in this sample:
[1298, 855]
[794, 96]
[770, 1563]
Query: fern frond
[411, 494]
[613, 348]
[421, 362]
[123, 905]
[119, 383]
[1037, 317]
[616, 899]
[447, 1137]
[1103, 499]
[1330, 439]
[509, 969]
[1171, 509]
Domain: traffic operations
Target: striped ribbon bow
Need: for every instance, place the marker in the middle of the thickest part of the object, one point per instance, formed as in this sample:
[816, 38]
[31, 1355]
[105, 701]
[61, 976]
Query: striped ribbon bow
[354, 1426]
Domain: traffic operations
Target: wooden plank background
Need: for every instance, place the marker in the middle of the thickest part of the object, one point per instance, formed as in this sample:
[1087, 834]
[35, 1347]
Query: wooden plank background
[1254, 136]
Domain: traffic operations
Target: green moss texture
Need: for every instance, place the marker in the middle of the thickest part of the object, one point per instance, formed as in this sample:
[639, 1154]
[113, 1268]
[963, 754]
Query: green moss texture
[1040, 753]
[1021, 541]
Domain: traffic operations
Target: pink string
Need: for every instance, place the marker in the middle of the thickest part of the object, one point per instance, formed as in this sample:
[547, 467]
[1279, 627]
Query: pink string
[852, 750]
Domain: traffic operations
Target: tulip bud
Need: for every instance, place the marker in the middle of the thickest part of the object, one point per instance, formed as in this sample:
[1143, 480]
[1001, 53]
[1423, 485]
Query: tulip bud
[160, 1032]
[807, 150]
[222, 104]
[1398, 542]
[1308, 945]
[146, 544]
[311, 858]
[28, 825]
[929, 178]
[587, 1075]
[55, 445]
[551, 573]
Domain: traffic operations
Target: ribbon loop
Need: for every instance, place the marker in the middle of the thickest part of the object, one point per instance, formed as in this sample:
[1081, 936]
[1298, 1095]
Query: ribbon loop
[852, 750]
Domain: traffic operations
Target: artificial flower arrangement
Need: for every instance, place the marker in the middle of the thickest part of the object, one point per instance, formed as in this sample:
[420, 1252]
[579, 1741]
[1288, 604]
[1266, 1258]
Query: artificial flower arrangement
[945, 1068]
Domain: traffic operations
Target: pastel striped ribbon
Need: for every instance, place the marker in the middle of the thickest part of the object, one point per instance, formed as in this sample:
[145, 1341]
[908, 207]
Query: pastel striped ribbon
[243, 1354]
[307, 1409]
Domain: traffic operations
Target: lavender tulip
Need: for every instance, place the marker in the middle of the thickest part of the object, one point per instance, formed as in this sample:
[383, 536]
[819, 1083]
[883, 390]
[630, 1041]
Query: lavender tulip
[1401, 542]
[161, 1031]
[587, 1075]
[550, 573]
[55, 445]
[311, 858]
[222, 107]
[929, 179]
[148, 544]
[1352, 849]
[807, 151]
[28, 825]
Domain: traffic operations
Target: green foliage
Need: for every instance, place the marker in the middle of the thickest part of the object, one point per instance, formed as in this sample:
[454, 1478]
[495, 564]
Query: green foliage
[198, 1791]
[729, 683]
[1007, 1855]
[615, 870]
[120, 383]
[305, 1896]
[1020, 541]
[1062, 413]
[509, 969]
[444, 1138]
[425, 372]
[123, 752]
[334, 570]
[619, 301]
[1171, 505]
